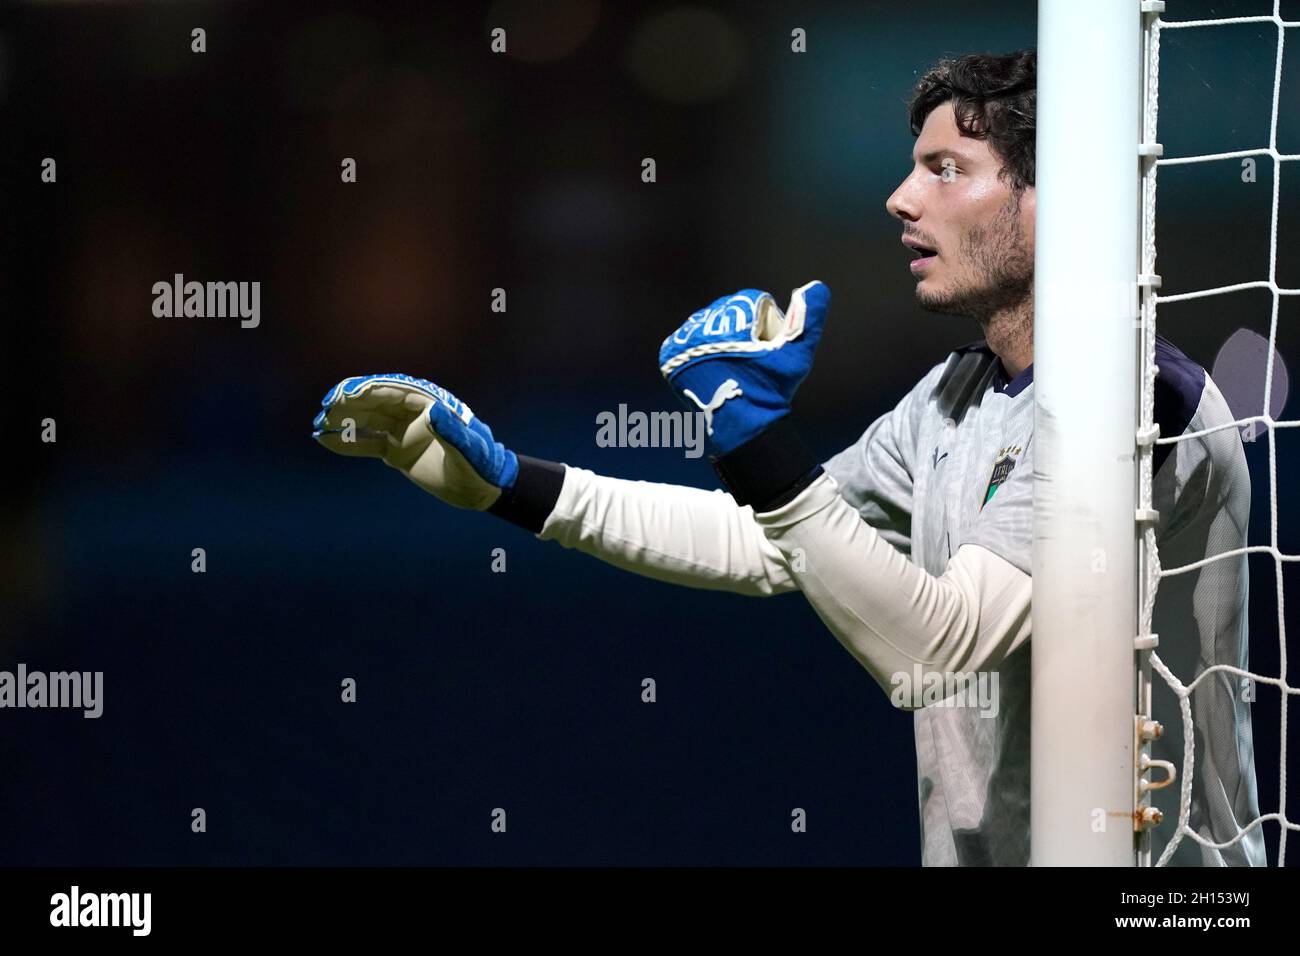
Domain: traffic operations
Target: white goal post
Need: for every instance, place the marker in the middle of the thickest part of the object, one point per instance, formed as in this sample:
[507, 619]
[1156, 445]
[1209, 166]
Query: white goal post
[1086, 355]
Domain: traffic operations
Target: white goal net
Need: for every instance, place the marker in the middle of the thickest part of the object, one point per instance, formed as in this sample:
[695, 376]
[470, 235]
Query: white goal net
[1206, 677]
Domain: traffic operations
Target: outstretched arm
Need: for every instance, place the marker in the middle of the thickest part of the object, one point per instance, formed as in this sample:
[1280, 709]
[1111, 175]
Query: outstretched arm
[672, 533]
[668, 532]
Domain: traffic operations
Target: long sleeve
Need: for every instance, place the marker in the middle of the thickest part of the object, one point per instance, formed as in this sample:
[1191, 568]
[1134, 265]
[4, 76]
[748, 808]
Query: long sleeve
[672, 533]
[889, 613]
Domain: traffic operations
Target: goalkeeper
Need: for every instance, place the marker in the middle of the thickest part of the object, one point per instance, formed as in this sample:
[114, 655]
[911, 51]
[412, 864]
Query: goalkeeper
[913, 544]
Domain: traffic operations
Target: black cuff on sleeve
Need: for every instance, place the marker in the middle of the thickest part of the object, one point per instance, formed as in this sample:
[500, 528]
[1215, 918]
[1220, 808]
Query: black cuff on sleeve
[770, 469]
[532, 499]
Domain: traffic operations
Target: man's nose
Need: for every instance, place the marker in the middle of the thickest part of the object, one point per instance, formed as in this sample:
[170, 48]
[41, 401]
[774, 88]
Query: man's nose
[902, 204]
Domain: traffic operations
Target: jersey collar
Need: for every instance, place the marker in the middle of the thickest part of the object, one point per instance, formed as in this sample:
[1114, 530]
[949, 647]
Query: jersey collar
[1013, 387]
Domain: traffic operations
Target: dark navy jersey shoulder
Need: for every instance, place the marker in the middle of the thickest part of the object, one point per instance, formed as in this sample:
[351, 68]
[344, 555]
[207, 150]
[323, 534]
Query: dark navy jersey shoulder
[1179, 385]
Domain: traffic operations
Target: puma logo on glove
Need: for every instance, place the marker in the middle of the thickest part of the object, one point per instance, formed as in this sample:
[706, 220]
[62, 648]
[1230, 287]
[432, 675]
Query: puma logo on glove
[744, 347]
[728, 389]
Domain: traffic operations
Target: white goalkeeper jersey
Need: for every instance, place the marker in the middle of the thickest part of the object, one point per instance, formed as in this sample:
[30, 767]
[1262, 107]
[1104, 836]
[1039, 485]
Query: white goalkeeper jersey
[952, 464]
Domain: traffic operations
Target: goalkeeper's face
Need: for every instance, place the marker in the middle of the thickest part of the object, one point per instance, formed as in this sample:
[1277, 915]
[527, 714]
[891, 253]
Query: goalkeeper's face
[972, 237]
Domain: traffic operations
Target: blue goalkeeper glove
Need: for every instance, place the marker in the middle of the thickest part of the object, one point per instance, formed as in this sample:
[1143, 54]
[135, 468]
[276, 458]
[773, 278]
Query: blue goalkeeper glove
[423, 431]
[741, 360]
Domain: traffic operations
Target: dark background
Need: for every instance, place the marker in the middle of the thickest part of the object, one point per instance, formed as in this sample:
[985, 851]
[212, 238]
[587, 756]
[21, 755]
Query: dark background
[476, 170]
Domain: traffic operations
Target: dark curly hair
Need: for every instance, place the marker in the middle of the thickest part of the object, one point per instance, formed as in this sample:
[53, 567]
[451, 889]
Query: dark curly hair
[993, 96]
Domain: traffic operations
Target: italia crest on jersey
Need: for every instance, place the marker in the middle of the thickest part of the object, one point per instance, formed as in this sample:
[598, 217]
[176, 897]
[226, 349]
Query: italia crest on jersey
[1002, 466]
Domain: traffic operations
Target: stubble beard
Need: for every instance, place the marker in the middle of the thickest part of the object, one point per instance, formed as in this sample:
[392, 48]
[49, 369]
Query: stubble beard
[1003, 265]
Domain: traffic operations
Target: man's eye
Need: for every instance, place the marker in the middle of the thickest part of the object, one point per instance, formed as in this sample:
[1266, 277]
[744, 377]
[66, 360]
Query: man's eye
[948, 171]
